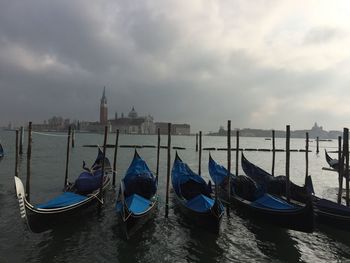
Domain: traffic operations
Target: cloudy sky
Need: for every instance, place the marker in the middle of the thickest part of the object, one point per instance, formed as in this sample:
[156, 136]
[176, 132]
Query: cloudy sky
[262, 64]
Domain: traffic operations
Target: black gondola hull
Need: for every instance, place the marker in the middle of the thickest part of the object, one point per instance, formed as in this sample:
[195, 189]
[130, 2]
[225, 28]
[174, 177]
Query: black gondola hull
[138, 182]
[210, 220]
[40, 220]
[300, 219]
[132, 223]
[337, 216]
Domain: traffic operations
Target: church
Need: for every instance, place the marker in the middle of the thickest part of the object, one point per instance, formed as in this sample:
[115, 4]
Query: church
[132, 124]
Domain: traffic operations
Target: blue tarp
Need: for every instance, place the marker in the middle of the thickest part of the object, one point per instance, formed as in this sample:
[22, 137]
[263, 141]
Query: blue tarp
[241, 185]
[88, 182]
[268, 201]
[139, 179]
[65, 199]
[217, 172]
[200, 203]
[181, 174]
[136, 204]
[137, 167]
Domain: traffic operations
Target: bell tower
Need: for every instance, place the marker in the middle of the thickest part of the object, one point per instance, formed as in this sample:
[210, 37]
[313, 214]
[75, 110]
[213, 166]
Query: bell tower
[103, 108]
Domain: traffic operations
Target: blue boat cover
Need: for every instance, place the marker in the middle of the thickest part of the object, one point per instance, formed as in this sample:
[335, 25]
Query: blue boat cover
[200, 203]
[181, 174]
[88, 182]
[136, 204]
[241, 185]
[269, 201]
[65, 199]
[217, 172]
[139, 179]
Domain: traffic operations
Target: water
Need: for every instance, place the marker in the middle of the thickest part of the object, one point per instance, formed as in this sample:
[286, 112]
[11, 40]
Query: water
[98, 238]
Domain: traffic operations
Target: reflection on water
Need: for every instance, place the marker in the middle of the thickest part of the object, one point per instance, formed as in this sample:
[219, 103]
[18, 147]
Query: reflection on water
[275, 242]
[97, 237]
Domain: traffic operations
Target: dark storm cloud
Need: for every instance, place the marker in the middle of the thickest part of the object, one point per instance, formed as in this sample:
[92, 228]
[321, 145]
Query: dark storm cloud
[56, 56]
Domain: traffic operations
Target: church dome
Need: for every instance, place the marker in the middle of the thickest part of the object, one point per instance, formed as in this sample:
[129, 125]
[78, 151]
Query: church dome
[132, 114]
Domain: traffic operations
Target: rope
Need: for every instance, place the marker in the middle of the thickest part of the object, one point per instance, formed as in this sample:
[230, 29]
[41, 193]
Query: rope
[48, 134]
[98, 199]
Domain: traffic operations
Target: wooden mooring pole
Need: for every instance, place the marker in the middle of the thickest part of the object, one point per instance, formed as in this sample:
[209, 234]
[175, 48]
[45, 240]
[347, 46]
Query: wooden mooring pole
[196, 142]
[21, 137]
[317, 145]
[200, 154]
[340, 170]
[237, 151]
[273, 153]
[73, 138]
[103, 165]
[17, 155]
[158, 152]
[306, 157]
[29, 155]
[228, 166]
[115, 156]
[287, 163]
[67, 157]
[168, 172]
[346, 156]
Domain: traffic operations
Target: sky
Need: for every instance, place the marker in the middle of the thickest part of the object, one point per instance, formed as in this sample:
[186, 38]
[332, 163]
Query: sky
[261, 64]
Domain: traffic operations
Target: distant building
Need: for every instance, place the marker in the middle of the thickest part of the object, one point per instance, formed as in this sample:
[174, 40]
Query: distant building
[55, 123]
[92, 126]
[176, 129]
[103, 108]
[133, 124]
[317, 131]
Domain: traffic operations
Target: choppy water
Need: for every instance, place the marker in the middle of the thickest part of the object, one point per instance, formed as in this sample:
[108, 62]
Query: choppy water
[99, 239]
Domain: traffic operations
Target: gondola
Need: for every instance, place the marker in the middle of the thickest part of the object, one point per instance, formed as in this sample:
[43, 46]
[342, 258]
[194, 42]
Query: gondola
[333, 163]
[276, 185]
[247, 197]
[1, 152]
[326, 211]
[137, 199]
[195, 198]
[77, 197]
